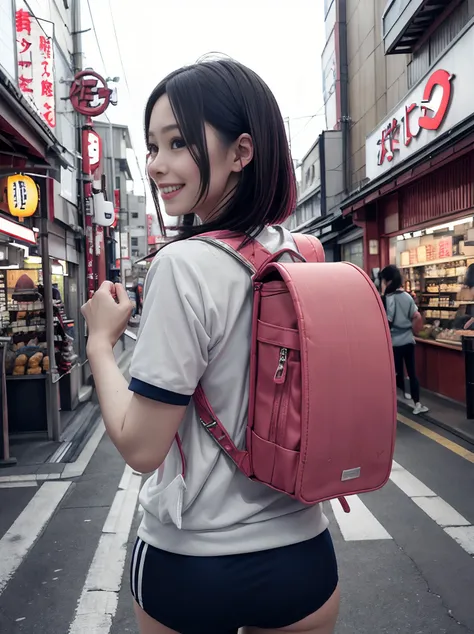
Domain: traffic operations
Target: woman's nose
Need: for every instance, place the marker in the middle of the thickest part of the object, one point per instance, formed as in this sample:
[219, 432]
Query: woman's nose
[157, 166]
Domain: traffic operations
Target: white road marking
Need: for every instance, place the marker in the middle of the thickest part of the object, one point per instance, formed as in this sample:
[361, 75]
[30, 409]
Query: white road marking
[464, 536]
[21, 478]
[18, 485]
[407, 482]
[77, 468]
[359, 524]
[99, 598]
[441, 512]
[445, 516]
[24, 532]
[125, 480]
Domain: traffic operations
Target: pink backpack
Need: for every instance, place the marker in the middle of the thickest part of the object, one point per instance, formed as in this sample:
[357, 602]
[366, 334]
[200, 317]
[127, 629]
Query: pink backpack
[322, 406]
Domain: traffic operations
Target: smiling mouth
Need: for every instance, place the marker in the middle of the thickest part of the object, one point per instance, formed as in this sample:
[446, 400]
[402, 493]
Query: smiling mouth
[170, 189]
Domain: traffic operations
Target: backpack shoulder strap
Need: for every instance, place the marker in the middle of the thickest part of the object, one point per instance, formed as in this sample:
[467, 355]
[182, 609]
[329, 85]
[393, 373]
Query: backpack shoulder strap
[252, 255]
[309, 247]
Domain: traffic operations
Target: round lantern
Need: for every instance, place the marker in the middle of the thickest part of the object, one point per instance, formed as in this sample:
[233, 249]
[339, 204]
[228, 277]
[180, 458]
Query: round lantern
[22, 196]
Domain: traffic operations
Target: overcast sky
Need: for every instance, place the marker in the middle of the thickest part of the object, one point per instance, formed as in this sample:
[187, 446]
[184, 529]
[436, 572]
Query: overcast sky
[281, 40]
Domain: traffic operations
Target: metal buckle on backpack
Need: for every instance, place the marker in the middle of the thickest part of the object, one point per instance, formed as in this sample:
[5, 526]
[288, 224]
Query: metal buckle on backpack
[213, 423]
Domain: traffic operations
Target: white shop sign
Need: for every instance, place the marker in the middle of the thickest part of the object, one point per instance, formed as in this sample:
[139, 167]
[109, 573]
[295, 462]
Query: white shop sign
[442, 99]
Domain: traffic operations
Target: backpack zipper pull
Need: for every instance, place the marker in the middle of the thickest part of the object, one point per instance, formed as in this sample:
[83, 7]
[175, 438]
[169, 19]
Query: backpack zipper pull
[280, 374]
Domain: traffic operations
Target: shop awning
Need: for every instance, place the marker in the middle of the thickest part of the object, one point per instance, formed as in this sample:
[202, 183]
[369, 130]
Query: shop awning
[18, 118]
[328, 237]
[17, 231]
[354, 234]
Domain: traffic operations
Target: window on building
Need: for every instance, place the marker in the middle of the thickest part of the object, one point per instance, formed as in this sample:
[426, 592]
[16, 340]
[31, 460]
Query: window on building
[135, 253]
[134, 242]
[134, 215]
[439, 41]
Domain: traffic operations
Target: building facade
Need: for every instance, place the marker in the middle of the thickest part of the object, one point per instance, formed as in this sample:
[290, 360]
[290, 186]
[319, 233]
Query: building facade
[412, 161]
[116, 143]
[38, 136]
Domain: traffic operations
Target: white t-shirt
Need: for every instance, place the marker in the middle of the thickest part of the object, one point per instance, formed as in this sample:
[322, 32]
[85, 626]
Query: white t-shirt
[196, 326]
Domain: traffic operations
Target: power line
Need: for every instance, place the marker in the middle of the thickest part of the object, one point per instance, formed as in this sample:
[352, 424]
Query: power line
[96, 38]
[140, 170]
[118, 48]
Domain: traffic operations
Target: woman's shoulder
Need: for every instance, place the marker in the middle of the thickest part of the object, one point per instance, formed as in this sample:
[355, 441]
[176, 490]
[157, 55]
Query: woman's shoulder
[184, 250]
[199, 262]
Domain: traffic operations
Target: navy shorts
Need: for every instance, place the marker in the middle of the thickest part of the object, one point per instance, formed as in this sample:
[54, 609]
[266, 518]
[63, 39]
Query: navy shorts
[269, 589]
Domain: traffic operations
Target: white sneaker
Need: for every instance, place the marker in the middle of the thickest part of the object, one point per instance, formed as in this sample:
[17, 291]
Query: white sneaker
[420, 409]
[407, 396]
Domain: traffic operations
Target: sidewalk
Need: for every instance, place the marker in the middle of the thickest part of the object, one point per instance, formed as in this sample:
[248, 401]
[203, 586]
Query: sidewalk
[443, 412]
[45, 458]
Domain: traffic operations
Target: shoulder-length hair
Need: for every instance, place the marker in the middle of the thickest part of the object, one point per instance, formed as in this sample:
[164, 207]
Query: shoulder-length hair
[233, 100]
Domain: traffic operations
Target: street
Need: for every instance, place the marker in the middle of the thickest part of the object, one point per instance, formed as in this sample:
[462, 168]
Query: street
[405, 555]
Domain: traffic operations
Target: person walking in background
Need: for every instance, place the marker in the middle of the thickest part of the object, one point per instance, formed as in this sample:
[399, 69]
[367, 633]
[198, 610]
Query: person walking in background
[137, 289]
[464, 319]
[404, 320]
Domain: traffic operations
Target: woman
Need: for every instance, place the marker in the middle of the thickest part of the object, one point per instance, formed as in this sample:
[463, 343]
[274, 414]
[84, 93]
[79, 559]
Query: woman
[465, 316]
[402, 314]
[216, 552]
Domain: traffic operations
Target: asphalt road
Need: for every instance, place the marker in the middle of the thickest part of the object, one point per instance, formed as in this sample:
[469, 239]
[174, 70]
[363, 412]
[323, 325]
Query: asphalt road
[405, 553]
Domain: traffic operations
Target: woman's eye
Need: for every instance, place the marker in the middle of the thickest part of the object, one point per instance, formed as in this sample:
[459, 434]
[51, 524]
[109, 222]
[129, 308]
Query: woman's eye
[177, 144]
[152, 151]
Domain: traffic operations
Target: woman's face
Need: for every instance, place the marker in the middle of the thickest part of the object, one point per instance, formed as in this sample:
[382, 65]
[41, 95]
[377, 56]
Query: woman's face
[175, 173]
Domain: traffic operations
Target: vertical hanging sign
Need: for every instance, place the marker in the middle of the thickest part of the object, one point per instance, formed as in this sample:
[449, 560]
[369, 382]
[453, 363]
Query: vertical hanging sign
[91, 97]
[35, 55]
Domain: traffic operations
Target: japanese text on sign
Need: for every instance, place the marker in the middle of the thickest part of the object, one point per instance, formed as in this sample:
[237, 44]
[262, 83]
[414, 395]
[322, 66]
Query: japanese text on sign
[36, 64]
[429, 114]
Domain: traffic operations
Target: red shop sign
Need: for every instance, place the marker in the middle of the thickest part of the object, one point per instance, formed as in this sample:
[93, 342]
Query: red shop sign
[90, 94]
[417, 117]
[91, 151]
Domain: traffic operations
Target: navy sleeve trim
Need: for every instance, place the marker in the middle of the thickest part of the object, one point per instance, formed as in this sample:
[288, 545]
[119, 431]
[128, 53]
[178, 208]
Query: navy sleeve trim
[158, 393]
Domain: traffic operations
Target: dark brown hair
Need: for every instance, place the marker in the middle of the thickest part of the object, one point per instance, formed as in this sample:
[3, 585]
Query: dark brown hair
[234, 100]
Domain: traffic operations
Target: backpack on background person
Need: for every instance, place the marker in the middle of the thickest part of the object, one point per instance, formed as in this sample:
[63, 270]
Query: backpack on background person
[322, 407]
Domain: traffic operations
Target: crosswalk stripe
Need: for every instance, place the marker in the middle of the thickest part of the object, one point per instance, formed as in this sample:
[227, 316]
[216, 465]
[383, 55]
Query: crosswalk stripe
[99, 598]
[437, 509]
[25, 530]
[360, 524]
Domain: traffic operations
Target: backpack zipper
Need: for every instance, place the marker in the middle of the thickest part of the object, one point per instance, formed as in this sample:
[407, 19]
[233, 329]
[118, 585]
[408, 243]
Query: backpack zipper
[283, 409]
[280, 373]
[279, 379]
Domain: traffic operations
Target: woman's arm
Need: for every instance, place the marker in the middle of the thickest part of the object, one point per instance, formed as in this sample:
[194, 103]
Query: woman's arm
[142, 429]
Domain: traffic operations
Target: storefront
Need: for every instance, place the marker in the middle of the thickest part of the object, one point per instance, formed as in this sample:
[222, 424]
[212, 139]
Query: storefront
[30, 322]
[23, 329]
[433, 258]
[417, 209]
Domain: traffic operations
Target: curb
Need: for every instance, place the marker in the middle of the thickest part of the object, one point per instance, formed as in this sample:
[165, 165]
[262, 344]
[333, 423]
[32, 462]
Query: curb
[407, 410]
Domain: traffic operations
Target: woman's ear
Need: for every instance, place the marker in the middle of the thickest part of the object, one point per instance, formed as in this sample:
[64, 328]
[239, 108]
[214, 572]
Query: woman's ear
[243, 152]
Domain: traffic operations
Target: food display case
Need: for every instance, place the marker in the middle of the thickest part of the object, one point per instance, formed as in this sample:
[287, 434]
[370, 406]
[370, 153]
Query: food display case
[435, 288]
[433, 262]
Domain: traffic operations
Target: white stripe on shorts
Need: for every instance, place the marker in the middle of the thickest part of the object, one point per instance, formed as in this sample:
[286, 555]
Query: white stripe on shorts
[138, 545]
[140, 575]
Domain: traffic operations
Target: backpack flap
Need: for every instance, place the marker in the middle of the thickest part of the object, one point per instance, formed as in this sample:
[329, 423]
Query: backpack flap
[348, 394]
